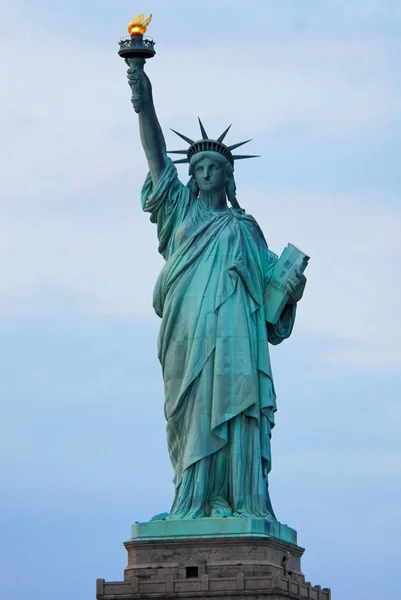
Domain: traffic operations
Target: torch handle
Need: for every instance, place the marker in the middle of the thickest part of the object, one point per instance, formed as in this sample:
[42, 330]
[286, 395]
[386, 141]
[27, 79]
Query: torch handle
[136, 64]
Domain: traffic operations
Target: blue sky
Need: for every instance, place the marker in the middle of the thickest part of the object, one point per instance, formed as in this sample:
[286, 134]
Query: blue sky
[317, 87]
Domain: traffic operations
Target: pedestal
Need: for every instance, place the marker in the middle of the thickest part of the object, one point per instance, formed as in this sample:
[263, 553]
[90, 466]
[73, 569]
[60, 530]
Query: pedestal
[234, 558]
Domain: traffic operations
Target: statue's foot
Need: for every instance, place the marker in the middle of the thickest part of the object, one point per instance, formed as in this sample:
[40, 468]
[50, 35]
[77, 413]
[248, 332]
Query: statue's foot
[242, 514]
[160, 517]
[221, 511]
[178, 516]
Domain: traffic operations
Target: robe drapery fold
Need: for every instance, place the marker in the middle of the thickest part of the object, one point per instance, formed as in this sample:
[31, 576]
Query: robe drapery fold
[213, 347]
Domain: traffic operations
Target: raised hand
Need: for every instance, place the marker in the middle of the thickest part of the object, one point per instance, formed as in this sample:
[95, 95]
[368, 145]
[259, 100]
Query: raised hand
[140, 84]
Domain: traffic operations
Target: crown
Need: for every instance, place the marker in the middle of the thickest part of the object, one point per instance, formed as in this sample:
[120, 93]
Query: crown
[207, 144]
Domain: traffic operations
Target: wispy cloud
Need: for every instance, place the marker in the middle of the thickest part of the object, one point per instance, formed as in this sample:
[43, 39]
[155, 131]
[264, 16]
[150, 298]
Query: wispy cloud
[317, 86]
[59, 264]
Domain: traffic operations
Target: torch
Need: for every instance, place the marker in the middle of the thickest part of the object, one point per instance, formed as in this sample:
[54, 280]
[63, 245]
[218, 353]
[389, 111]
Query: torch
[135, 50]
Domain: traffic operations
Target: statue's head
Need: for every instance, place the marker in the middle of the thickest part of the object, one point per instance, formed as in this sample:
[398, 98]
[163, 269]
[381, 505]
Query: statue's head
[210, 171]
[211, 163]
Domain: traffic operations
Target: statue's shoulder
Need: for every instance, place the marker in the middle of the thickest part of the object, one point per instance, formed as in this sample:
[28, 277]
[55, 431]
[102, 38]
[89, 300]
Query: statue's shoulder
[247, 219]
[255, 232]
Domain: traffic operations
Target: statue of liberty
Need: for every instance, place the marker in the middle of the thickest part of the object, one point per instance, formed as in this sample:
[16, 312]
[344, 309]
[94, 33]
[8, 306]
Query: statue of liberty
[214, 337]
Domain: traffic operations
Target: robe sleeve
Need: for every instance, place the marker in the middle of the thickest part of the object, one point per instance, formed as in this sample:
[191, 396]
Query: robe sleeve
[167, 203]
[283, 328]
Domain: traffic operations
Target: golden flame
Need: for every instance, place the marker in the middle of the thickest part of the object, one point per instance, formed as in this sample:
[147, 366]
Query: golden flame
[139, 24]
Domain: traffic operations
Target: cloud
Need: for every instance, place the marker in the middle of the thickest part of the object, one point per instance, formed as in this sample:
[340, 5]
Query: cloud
[73, 169]
[317, 87]
[67, 122]
[355, 248]
[111, 267]
[351, 463]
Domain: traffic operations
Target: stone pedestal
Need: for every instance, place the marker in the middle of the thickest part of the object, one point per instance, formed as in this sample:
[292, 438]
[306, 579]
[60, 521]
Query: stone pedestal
[238, 567]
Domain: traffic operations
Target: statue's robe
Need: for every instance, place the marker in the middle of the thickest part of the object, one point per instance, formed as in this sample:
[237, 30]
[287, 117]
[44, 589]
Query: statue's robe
[213, 347]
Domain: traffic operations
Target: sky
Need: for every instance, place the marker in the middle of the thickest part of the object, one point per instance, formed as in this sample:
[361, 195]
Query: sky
[317, 86]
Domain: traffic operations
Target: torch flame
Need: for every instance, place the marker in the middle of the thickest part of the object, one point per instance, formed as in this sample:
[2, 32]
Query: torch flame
[139, 24]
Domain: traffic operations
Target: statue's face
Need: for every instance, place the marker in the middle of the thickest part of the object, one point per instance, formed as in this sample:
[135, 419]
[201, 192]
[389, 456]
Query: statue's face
[210, 175]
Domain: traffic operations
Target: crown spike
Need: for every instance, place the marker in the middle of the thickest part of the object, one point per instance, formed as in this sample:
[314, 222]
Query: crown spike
[203, 130]
[184, 137]
[209, 145]
[223, 135]
[238, 145]
[239, 156]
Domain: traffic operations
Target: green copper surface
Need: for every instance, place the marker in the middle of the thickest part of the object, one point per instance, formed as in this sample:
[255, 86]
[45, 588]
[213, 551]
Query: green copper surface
[216, 528]
[214, 338]
[213, 346]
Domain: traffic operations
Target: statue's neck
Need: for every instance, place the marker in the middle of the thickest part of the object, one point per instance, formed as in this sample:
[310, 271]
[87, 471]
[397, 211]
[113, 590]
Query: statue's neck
[213, 200]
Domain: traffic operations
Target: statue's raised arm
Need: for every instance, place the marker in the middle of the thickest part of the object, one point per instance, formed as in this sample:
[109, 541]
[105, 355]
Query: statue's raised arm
[152, 137]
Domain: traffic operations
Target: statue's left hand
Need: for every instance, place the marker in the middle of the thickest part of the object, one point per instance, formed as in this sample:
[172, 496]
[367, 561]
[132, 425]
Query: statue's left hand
[296, 286]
